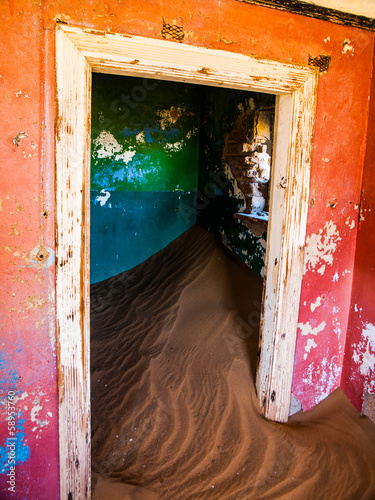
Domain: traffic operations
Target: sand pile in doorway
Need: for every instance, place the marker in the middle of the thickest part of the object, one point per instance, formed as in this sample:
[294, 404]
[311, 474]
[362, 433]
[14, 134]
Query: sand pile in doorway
[174, 411]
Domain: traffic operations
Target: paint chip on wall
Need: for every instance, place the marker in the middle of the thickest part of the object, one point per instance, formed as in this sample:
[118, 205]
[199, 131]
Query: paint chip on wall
[320, 248]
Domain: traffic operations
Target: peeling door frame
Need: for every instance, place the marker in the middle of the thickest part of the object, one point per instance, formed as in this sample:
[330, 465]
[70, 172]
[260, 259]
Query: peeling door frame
[79, 52]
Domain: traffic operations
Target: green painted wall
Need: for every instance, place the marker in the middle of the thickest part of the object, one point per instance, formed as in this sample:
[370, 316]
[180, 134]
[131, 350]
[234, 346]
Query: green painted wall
[144, 168]
[219, 197]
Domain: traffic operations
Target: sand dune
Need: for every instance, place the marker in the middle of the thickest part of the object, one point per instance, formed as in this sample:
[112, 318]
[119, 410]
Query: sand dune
[174, 410]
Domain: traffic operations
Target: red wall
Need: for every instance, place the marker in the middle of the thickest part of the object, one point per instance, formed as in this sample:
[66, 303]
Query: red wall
[359, 362]
[27, 361]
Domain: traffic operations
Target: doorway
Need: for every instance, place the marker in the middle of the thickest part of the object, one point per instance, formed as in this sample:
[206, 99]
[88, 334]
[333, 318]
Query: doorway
[79, 52]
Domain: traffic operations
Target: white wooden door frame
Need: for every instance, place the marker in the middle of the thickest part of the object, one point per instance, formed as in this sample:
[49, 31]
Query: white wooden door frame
[78, 53]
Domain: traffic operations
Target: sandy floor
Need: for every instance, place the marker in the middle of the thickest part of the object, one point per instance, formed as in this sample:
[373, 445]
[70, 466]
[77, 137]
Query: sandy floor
[174, 411]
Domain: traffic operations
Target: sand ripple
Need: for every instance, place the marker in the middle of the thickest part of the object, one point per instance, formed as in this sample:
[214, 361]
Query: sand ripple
[174, 412]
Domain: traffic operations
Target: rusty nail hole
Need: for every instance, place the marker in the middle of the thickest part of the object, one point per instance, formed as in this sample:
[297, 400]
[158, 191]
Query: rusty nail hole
[276, 261]
[264, 401]
[77, 463]
[45, 214]
[283, 336]
[273, 396]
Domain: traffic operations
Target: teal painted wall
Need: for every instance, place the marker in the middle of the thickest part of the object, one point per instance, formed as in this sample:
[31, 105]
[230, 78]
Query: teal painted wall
[144, 168]
[219, 198]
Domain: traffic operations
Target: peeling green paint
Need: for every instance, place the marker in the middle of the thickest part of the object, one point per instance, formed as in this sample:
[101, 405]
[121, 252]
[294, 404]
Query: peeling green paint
[222, 111]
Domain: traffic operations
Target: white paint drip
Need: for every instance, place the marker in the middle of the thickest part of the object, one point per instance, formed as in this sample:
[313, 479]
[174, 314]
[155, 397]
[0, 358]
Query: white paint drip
[315, 304]
[106, 145]
[104, 198]
[307, 329]
[320, 248]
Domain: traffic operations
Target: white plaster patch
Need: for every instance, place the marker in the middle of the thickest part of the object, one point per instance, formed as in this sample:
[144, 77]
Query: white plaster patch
[107, 145]
[364, 351]
[126, 156]
[140, 137]
[103, 198]
[307, 329]
[34, 416]
[315, 304]
[237, 193]
[348, 49]
[262, 242]
[174, 146]
[350, 223]
[321, 269]
[21, 93]
[320, 248]
[309, 345]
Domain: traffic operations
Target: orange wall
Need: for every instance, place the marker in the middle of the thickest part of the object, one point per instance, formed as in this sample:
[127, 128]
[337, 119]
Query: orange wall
[27, 361]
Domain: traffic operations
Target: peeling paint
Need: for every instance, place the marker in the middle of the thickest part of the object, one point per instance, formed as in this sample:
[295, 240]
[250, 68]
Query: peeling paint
[106, 144]
[18, 138]
[315, 304]
[348, 49]
[169, 116]
[307, 329]
[364, 351]
[309, 345]
[103, 198]
[41, 257]
[321, 247]
[21, 93]
[350, 222]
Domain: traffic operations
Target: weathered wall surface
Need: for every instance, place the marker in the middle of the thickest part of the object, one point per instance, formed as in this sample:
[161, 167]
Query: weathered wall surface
[28, 337]
[220, 197]
[28, 334]
[144, 169]
[359, 362]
